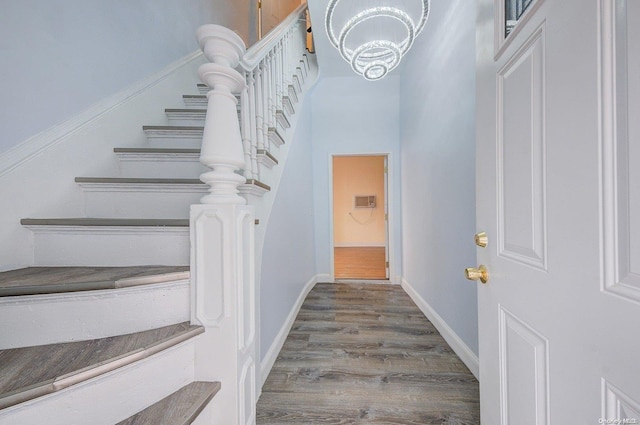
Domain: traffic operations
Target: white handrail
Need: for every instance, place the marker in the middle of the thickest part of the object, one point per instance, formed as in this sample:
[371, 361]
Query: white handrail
[259, 50]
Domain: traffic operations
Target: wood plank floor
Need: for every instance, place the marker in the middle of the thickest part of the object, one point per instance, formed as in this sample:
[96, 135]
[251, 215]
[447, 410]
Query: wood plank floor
[359, 263]
[365, 354]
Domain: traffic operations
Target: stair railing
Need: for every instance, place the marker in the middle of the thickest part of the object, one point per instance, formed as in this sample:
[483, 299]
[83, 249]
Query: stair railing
[224, 295]
[270, 66]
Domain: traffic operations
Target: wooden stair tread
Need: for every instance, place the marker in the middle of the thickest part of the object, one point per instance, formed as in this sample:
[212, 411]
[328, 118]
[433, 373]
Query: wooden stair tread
[30, 372]
[156, 150]
[173, 127]
[137, 180]
[179, 408]
[254, 182]
[49, 280]
[103, 222]
[186, 110]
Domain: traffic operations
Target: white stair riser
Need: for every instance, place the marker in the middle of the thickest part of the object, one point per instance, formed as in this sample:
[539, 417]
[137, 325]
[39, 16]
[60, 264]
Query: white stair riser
[112, 397]
[178, 120]
[104, 246]
[184, 166]
[195, 103]
[77, 316]
[174, 141]
[140, 201]
[195, 120]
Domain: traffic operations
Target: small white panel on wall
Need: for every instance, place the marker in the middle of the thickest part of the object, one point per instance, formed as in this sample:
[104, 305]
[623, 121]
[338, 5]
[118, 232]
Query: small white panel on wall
[524, 362]
[207, 236]
[247, 388]
[247, 293]
[521, 155]
[620, 32]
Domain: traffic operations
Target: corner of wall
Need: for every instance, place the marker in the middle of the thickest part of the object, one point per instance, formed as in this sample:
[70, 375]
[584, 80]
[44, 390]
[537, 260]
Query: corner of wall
[468, 357]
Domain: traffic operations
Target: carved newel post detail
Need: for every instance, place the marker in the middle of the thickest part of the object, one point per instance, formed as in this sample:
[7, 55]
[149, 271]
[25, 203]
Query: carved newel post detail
[222, 143]
[224, 298]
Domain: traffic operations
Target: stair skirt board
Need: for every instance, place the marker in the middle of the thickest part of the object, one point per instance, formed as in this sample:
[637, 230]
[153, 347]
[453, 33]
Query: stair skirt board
[140, 198]
[150, 162]
[74, 243]
[112, 396]
[31, 320]
[179, 408]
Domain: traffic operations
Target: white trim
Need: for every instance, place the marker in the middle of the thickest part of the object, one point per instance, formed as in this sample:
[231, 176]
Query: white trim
[390, 216]
[271, 356]
[463, 351]
[40, 142]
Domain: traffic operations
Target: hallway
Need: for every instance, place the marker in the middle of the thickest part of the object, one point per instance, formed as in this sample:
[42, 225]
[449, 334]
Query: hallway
[366, 354]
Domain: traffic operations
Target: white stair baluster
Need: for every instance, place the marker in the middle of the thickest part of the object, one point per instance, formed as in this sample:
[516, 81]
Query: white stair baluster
[245, 127]
[259, 107]
[252, 124]
[265, 104]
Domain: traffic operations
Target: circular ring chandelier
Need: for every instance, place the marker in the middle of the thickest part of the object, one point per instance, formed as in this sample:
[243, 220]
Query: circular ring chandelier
[376, 58]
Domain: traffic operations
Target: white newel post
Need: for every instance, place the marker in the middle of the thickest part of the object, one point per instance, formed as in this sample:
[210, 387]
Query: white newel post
[222, 241]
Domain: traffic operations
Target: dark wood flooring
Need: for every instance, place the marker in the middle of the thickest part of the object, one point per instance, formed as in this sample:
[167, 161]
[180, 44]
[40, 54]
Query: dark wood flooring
[360, 262]
[365, 354]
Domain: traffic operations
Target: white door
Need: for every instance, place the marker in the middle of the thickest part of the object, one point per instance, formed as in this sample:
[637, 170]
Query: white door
[558, 194]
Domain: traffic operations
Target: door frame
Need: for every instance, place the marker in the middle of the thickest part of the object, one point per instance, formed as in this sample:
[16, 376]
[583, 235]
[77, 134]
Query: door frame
[389, 202]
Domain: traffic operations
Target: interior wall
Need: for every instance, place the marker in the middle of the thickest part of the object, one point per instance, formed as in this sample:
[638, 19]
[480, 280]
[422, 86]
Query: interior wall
[60, 57]
[438, 165]
[289, 246]
[274, 11]
[351, 115]
[358, 176]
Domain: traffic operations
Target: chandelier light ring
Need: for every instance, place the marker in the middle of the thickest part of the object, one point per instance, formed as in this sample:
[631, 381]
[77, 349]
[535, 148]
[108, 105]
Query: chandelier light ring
[374, 59]
[375, 70]
[390, 50]
[376, 12]
[328, 23]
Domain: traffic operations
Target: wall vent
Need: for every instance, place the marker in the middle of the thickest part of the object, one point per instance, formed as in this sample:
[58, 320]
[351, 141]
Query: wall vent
[368, 201]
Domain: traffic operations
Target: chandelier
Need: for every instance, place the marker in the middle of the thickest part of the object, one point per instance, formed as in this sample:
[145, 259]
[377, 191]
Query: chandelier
[373, 36]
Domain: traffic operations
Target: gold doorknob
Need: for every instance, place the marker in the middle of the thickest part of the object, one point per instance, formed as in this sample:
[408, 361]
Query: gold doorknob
[481, 274]
[482, 240]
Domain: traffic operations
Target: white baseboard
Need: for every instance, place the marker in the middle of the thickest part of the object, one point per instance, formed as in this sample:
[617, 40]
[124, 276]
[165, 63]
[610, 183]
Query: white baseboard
[469, 358]
[323, 277]
[39, 143]
[271, 356]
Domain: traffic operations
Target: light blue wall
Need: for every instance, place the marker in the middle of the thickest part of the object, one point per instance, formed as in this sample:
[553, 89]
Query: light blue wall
[58, 57]
[352, 115]
[438, 165]
[288, 259]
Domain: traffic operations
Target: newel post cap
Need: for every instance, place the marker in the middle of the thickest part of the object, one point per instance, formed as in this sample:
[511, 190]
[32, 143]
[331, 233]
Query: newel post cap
[221, 45]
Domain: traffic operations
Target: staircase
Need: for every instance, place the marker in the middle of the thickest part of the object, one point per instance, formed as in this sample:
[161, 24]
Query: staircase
[106, 327]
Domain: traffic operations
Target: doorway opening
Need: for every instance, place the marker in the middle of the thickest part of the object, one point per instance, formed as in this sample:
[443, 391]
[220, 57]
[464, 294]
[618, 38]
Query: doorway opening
[360, 217]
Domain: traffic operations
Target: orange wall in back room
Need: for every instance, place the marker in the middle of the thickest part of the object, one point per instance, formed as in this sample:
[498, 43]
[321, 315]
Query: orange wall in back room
[358, 175]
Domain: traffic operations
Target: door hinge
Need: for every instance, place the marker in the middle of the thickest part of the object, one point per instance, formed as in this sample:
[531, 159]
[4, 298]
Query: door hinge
[386, 169]
[386, 264]
[386, 217]
[259, 4]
